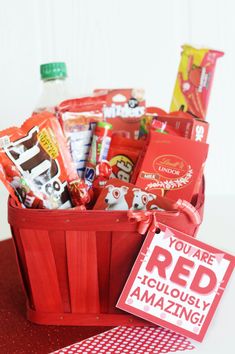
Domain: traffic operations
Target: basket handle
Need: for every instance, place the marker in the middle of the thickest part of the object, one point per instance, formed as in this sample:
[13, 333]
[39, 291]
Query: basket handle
[148, 219]
[189, 210]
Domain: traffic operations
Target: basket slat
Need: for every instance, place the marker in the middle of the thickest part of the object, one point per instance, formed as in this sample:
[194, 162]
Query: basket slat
[104, 242]
[82, 271]
[42, 270]
[21, 262]
[58, 244]
[125, 247]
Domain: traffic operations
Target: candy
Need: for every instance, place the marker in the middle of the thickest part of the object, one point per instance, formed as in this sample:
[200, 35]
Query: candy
[184, 125]
[103, 169]
[172, 165]
[98, 150]
[103, 172]
[79, 192]
[36, 164]
[123, 155]
[79, 118]
[151, 114]
[194, 80]
[159, 126]
[175, 123]
[123, 109]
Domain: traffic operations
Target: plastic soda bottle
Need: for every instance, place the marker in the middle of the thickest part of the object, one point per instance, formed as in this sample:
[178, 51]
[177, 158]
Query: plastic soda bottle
[54, 90]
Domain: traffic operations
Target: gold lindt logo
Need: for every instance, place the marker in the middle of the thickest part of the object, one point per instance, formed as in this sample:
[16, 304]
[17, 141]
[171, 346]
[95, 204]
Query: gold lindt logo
[168, 162]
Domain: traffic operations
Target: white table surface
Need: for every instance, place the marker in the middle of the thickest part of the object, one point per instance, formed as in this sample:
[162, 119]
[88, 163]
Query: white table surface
[218, 230]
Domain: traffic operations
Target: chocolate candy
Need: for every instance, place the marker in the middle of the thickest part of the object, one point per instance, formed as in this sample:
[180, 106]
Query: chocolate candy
[35, 163]
[79, 192]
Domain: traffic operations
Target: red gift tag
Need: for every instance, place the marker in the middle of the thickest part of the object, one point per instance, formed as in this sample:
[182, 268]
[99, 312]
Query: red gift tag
[177, 282]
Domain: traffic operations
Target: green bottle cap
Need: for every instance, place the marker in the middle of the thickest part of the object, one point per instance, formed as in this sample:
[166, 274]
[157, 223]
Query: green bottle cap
[104, 125]
[51, 71]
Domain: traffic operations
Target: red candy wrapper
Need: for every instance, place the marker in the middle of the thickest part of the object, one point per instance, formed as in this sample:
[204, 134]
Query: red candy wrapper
[123, 155]
[79, 117]
[123, 109]
[194, 81]
[79, 192]
[99, 149]
[103, 172]
[35, 163]
[102, 175]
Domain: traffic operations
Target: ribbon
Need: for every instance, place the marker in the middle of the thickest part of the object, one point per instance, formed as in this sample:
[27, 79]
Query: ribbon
[147, 220]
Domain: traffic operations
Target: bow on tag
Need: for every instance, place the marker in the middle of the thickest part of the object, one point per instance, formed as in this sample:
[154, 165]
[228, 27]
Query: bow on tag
[189, 209]
[147, 220]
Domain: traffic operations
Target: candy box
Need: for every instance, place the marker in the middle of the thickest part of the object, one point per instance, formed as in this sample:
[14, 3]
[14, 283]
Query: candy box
[176, 123]
[123, 109]
[186, 126]
[171, 166]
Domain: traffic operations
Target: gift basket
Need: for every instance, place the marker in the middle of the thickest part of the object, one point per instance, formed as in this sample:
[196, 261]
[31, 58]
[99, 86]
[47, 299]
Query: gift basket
[89, 180]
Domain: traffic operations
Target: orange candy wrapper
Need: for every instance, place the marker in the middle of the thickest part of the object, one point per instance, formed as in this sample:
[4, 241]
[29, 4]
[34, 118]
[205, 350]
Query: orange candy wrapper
[35, 163]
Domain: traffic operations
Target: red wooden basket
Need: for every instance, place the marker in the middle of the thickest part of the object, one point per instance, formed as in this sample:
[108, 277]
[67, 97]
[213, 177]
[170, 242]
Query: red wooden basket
[74, 264]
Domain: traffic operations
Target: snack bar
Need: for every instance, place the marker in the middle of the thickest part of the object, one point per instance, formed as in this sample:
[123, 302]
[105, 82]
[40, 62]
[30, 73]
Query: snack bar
[194, 81]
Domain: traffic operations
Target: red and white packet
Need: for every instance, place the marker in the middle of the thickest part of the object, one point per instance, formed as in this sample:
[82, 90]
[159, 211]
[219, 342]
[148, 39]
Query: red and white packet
[123, 109]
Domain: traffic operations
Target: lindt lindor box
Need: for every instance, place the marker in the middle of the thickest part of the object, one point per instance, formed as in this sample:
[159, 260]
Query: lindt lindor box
[171, 166]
